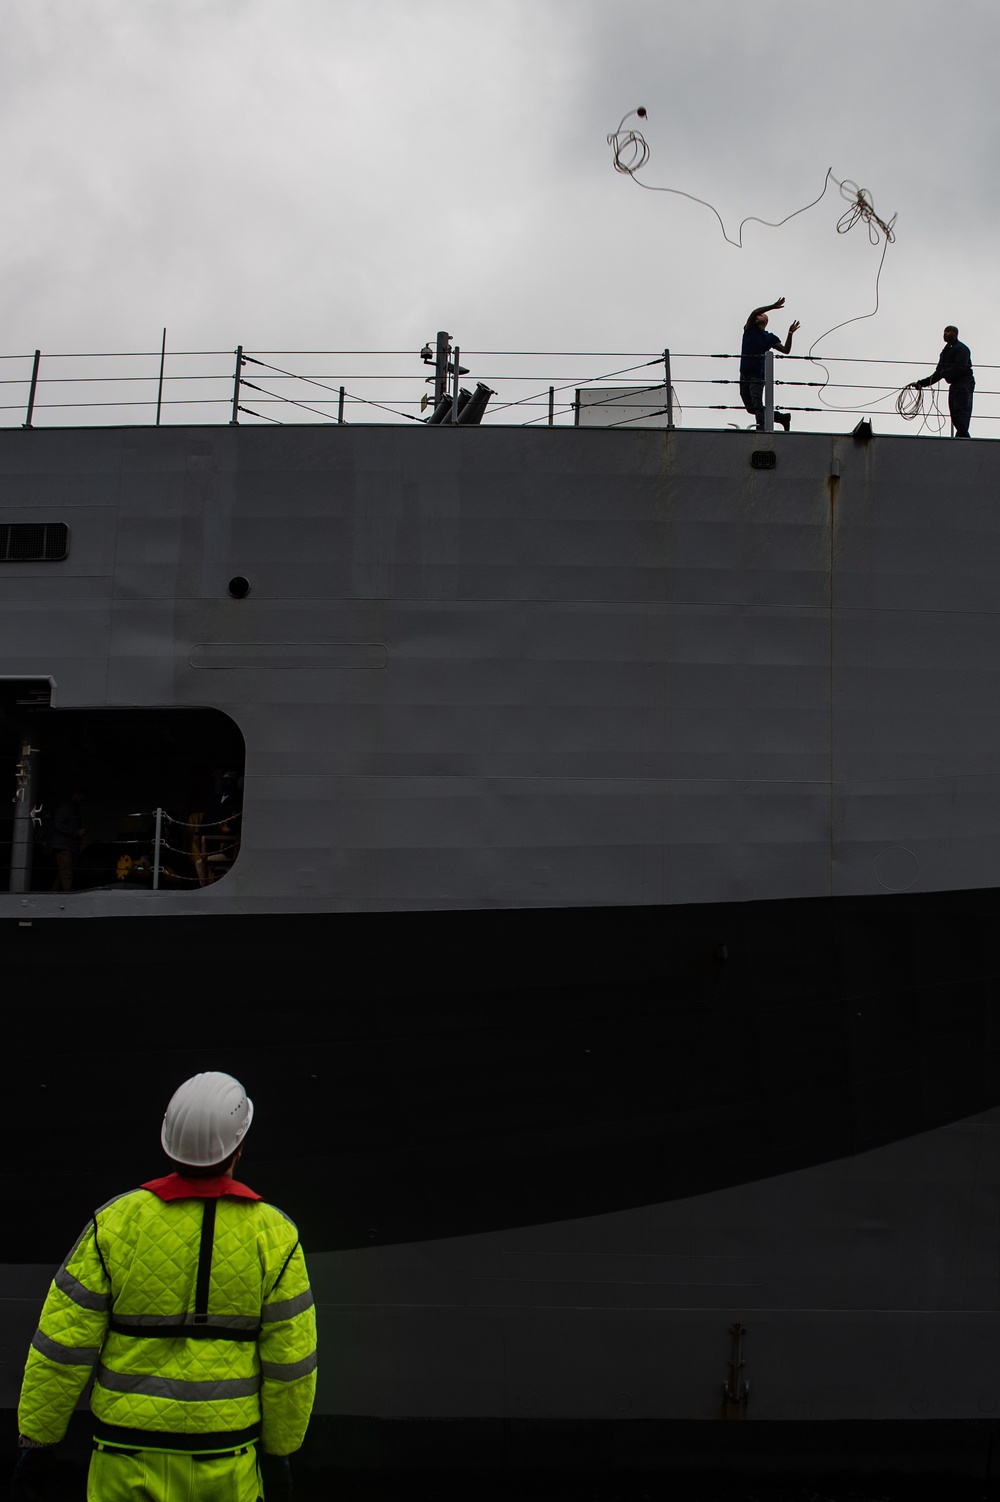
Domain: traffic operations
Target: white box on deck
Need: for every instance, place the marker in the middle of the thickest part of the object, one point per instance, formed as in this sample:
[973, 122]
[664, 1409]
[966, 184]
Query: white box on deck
[623, 406]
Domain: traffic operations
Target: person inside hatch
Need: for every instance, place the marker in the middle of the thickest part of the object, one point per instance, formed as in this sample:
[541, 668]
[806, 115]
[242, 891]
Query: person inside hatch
[188, 1300]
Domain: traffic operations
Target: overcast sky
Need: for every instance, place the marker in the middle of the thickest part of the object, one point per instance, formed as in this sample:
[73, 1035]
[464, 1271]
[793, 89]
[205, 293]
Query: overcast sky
[355, 174]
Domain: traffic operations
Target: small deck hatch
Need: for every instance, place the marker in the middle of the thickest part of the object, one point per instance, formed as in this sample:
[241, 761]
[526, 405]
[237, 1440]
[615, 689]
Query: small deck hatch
[33, 542]
[763, 459]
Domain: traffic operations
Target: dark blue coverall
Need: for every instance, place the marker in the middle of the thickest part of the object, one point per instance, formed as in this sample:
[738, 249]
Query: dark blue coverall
[955, 367]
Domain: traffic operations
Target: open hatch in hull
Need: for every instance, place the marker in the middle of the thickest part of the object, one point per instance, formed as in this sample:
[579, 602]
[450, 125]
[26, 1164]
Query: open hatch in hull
[117, 774]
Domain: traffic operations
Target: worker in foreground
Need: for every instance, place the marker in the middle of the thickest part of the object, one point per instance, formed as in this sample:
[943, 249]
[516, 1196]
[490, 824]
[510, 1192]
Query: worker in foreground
[189, 1302]
[955, 366]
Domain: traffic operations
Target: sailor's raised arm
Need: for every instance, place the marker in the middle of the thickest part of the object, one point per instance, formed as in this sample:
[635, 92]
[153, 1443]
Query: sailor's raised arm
[767, 308]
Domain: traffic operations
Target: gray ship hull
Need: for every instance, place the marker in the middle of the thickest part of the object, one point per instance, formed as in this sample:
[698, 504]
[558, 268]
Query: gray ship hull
[618, 853]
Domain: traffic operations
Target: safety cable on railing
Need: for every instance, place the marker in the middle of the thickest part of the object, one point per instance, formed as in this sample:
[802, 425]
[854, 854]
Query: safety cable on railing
[647, 357]
[675, 409]
[189, 854]
[149, 865]
[119, 380]
[840, 385]
[179, 850]
[311, 381]
[827, 359]
[535, 354]
[262, 415]
[88, 406]
[550, 403]
[178, 401]
[124, 354]
[933, 421]
[563, 407]
[201, 825]
[579, 381]
[638, 417]
[276, 396]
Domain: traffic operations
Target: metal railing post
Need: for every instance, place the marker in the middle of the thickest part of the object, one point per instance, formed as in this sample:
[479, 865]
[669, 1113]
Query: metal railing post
[769, 391]
[340, 406]
[670, 389]
[31, 389]
[234, 420]
[552, 406]
[159, 389]
[23, 833]
[157, 841]
[454, 398]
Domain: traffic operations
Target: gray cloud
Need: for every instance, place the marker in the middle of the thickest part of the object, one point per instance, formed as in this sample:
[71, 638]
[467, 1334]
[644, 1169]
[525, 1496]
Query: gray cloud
[357, 175]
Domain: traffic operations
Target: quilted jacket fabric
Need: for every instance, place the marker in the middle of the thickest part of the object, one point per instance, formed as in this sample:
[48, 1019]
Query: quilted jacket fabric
[196, 1318]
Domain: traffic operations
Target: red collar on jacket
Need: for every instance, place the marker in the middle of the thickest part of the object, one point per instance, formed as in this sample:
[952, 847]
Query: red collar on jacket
[175, 1187]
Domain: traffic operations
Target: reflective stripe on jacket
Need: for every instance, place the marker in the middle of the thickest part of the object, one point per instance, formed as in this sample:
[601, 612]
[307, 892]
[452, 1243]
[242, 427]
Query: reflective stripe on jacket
[195, 1316]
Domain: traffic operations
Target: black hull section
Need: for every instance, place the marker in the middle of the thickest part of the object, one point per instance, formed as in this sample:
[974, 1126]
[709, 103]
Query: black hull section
[433, 1074]
[632, 1457]
[365, 1457]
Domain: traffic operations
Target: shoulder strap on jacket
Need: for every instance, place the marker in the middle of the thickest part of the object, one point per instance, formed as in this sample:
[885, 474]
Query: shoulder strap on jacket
[205, 1263]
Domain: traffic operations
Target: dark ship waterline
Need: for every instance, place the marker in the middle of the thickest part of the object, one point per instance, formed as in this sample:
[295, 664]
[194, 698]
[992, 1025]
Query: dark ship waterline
[609, 949]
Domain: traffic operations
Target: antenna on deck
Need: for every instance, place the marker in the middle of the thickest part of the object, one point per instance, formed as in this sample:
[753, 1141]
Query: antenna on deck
[451, 404]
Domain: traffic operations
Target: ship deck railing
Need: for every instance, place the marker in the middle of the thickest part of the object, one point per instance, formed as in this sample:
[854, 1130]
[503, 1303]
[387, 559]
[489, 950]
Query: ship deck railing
[553, 388]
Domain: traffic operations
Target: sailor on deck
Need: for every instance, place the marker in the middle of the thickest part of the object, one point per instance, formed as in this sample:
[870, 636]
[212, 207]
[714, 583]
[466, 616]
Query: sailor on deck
[188, 1299]
[955, 366]
[756, 342]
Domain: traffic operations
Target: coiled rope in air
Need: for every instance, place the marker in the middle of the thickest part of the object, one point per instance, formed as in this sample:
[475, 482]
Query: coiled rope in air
[630, 153]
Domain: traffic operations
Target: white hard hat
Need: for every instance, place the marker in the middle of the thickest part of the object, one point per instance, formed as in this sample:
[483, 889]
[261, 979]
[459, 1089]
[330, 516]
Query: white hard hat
[206, 1120]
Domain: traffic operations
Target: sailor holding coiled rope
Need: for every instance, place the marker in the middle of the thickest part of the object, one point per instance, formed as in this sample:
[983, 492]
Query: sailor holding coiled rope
[954, 366]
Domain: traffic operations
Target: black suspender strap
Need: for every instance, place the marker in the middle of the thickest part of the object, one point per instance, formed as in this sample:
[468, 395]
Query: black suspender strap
[179, 1329]
[196, 1325]
[205, 1263]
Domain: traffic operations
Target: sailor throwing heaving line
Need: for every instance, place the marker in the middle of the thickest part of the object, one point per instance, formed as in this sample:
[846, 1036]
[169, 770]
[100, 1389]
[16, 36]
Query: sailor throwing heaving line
[756, 342]
[189, 1302]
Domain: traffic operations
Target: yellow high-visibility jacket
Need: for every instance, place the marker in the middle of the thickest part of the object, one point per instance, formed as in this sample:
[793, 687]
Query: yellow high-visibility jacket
[190, 1303]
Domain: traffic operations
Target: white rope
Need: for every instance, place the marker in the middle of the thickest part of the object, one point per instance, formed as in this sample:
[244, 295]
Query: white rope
[910, 405]
[630, 151]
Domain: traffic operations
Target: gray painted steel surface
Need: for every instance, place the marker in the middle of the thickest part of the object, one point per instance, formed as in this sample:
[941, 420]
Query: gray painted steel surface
[519, 668]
